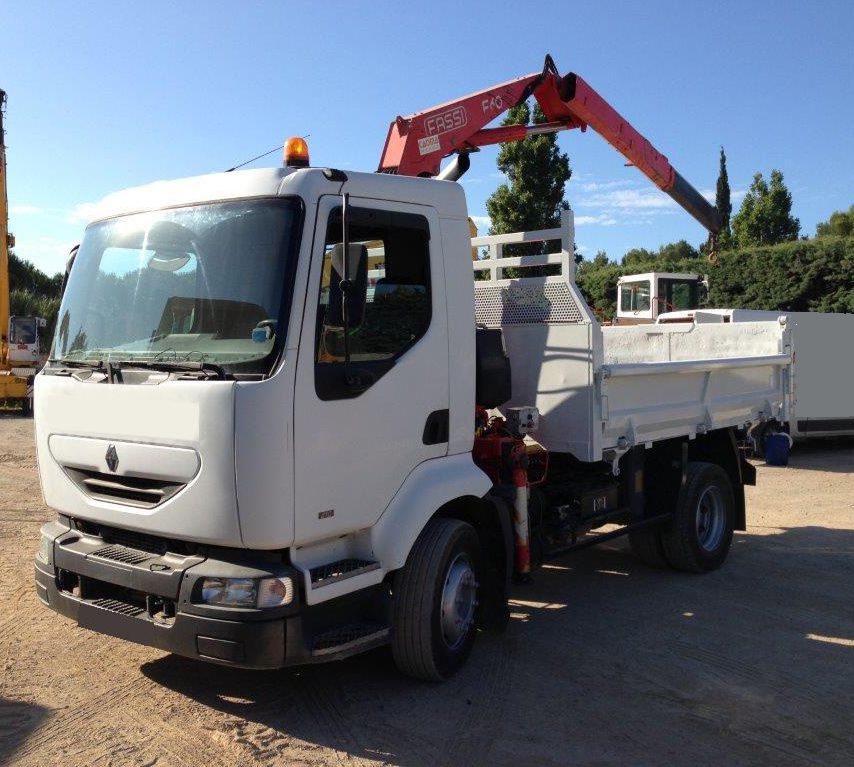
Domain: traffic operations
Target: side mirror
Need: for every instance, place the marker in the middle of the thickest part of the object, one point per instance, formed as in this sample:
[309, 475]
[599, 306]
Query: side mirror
[356, 295]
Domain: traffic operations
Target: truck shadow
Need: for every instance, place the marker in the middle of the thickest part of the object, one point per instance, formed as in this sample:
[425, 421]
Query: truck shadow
[17, 721]
[752, 659]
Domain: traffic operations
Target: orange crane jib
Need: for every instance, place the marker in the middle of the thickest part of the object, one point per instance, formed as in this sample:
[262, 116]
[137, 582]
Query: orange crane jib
[416, 144]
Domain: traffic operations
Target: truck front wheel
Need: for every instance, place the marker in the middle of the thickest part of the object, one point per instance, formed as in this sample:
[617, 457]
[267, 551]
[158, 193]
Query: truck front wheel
[698, 537]
[436, 601]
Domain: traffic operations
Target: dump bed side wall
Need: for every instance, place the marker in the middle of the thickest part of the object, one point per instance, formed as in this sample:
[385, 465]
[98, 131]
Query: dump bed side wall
[553, 367]
[662, 381]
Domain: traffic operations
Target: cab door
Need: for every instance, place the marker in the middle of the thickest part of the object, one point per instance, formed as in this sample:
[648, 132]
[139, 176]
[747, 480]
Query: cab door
[360, 429]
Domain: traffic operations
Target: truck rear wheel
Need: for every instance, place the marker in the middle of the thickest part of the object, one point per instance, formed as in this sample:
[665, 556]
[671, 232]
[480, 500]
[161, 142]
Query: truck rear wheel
[698, 537]
[435, 601]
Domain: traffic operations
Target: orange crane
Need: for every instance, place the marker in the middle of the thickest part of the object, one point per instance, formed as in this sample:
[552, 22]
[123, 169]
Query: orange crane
[19, 343]
[415, 144]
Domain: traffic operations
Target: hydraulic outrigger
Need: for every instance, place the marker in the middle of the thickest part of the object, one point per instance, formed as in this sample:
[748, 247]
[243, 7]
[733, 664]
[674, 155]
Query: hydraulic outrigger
[416, 144]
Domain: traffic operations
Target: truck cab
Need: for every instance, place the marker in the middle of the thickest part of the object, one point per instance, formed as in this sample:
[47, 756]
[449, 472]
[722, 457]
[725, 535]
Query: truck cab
[216, 413]
[642, 297]
[24, 348]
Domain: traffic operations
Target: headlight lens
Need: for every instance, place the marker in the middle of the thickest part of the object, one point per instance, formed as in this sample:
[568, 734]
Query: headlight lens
[229, 592]
[247, 592]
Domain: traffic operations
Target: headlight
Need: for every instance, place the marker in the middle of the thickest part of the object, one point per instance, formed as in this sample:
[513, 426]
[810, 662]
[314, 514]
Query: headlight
[46, 549]
[247, 592]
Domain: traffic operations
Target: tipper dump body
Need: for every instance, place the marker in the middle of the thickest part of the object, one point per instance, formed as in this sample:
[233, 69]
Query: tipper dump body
[600, 391]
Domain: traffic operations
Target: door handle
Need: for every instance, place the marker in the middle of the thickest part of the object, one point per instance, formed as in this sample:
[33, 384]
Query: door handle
[437, 427]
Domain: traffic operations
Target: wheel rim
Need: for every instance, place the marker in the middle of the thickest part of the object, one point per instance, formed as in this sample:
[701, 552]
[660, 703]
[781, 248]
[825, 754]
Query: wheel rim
[459, 600]
[711, 519]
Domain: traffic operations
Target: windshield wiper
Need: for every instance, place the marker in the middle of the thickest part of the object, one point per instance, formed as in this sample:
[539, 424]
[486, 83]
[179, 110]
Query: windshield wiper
[201, 369]
[95, 364]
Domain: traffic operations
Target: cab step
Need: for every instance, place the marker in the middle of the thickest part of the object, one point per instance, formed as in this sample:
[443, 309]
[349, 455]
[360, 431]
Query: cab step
[324, 575]
[348, 639]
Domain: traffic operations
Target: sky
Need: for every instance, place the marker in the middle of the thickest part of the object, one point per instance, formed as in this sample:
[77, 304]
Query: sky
[106, 95]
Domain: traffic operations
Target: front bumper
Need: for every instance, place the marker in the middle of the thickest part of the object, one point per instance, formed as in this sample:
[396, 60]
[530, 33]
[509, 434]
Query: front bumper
[260, 644]
[125, 596]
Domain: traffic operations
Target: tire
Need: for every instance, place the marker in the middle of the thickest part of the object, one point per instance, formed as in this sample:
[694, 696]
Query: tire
[27, 408]
[646, 546]
[699, 536]
[446, 560]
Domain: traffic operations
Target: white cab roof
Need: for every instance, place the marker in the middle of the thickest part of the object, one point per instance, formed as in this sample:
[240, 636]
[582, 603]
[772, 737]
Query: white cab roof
[446, 197]
[656, 275]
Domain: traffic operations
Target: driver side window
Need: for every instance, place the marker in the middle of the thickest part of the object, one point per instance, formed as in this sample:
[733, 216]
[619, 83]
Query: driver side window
[397, 297]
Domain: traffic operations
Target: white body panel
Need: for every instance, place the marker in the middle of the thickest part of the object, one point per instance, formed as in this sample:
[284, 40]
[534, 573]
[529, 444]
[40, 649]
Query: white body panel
[667, 381]
[426, 489]
[155, 421]
[354, 454]
[820, 391]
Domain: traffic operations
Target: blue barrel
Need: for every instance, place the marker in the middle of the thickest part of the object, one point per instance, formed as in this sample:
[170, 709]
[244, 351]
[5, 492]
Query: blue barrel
[777, 448]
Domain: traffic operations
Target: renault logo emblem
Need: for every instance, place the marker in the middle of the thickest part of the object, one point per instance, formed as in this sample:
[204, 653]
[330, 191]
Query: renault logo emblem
[112, 458]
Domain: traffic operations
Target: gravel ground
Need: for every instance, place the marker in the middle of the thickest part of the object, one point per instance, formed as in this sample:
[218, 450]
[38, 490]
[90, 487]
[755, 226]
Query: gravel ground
[605, 662]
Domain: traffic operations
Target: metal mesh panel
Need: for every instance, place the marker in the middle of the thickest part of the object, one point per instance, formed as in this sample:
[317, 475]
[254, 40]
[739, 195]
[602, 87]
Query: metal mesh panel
[119, 606]
[122, 554]
[519, 304]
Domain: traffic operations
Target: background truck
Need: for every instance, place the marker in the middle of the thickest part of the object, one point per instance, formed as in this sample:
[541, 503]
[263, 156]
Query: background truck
[642, 298]
[258, 462]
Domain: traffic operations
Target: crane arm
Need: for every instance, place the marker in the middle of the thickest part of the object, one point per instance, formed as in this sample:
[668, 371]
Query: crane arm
[416, 144]
[4, 243]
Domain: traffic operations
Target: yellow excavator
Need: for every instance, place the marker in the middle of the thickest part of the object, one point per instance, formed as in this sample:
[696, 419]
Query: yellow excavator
[19, 338]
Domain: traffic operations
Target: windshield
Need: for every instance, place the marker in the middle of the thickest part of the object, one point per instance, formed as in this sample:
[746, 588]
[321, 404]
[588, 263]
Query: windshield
[207, 283]
[679, 294]
[23, 330]
[635, 296]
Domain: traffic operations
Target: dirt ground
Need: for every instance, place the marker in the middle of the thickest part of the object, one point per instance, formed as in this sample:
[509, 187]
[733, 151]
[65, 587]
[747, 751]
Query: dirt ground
[606, 662]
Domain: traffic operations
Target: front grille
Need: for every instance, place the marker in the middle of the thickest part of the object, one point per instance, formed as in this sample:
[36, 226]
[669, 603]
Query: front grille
[134, 540]
[122, 554]
[140, 492]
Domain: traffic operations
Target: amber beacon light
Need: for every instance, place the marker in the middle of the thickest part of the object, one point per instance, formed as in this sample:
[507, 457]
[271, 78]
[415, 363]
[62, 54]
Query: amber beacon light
[296, 152]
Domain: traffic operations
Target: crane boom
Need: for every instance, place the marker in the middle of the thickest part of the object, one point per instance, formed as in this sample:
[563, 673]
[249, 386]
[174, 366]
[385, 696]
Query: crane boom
[416, 144]
[4, 242]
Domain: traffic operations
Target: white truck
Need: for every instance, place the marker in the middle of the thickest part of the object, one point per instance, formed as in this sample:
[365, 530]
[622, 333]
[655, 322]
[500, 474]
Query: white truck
[641, 298]
[257, 462]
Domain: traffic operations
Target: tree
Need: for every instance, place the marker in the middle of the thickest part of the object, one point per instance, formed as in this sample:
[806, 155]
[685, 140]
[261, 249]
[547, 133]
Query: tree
[537, 172]
[666, 257]
[638, 256]
[723, 202]
[765, 216]
[840, 224]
